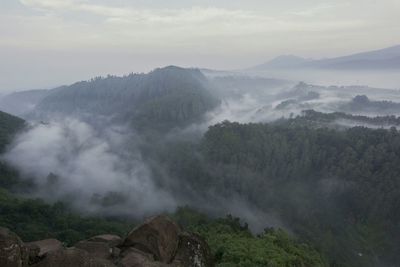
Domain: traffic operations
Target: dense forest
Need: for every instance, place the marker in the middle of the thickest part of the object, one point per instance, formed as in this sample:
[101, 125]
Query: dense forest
[339, 190]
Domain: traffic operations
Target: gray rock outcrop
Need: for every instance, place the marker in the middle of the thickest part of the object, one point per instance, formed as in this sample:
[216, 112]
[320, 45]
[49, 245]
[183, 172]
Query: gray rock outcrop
[158, 242]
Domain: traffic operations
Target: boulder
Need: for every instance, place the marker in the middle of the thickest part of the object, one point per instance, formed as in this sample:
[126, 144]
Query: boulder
[72, 257]
[159, 242]
[33, 253]
[135, 258]
[13, 253]
[111, 240]
[101, 246]
[193, 251]
[42, 247]
[158, 236]
[96, 249]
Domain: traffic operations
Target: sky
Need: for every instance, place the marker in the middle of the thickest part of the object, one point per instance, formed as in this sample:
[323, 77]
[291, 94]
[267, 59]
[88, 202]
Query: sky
[46, 43]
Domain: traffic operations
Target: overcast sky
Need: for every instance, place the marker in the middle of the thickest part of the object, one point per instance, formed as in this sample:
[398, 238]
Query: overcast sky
[44, 43]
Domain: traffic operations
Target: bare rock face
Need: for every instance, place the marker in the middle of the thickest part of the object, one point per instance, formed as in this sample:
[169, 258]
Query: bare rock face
[39, 249]
[13, 253]
[95, 249]
[111, 240]
[72, 257]
[193, 251]
[46, 246]
[158, 236]
[33, 253]
[133, 257]
[101, 246]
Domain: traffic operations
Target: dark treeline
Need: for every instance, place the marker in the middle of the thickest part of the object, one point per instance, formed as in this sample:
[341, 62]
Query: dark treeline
[361, 103]
[10, 125]
[317, 119]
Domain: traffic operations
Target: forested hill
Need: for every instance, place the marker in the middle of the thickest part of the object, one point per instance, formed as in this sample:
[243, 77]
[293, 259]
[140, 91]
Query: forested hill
[21, 103]
[339, 190]
[9, 126]
[361, 103]
[166, 97]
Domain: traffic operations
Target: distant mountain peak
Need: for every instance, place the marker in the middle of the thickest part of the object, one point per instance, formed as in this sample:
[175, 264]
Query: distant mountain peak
[386, 58]
[287, 58]
[178, 72]
[283, 61]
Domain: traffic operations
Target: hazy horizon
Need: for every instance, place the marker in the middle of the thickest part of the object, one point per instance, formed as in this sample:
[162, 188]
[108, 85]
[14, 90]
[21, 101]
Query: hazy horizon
[46, 43]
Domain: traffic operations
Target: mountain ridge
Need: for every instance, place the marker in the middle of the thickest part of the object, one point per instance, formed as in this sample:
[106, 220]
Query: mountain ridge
[166, 96]
[386, 58]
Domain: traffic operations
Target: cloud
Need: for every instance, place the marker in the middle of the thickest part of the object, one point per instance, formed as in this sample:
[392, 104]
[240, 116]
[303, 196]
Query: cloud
[132, 14]
[315, 10]
[213, 34]
[95, 171]
[192, 22]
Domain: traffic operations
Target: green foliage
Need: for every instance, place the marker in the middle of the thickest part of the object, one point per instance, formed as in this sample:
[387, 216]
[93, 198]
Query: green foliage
[9, 126]
[32, 219]
[233, 245]
[338, 190]
[231, 242]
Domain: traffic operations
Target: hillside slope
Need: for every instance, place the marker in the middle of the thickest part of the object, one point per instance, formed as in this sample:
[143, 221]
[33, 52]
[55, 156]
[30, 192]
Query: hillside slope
[21, 103]
[9, 126]
[166, 97]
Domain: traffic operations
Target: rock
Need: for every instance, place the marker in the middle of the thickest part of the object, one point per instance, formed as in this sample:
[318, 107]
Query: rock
[44, 246]
[72, 257]
[33, 253]
[13, 253]
[101, 246]
[111, 240]
[135, 258]
[159, 242]
[193, 251]
[115, 252]
[96, 249]
[158, 236]
[134, 250]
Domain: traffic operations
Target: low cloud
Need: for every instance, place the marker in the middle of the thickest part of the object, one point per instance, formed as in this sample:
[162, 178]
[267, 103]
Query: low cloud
[95, 171]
